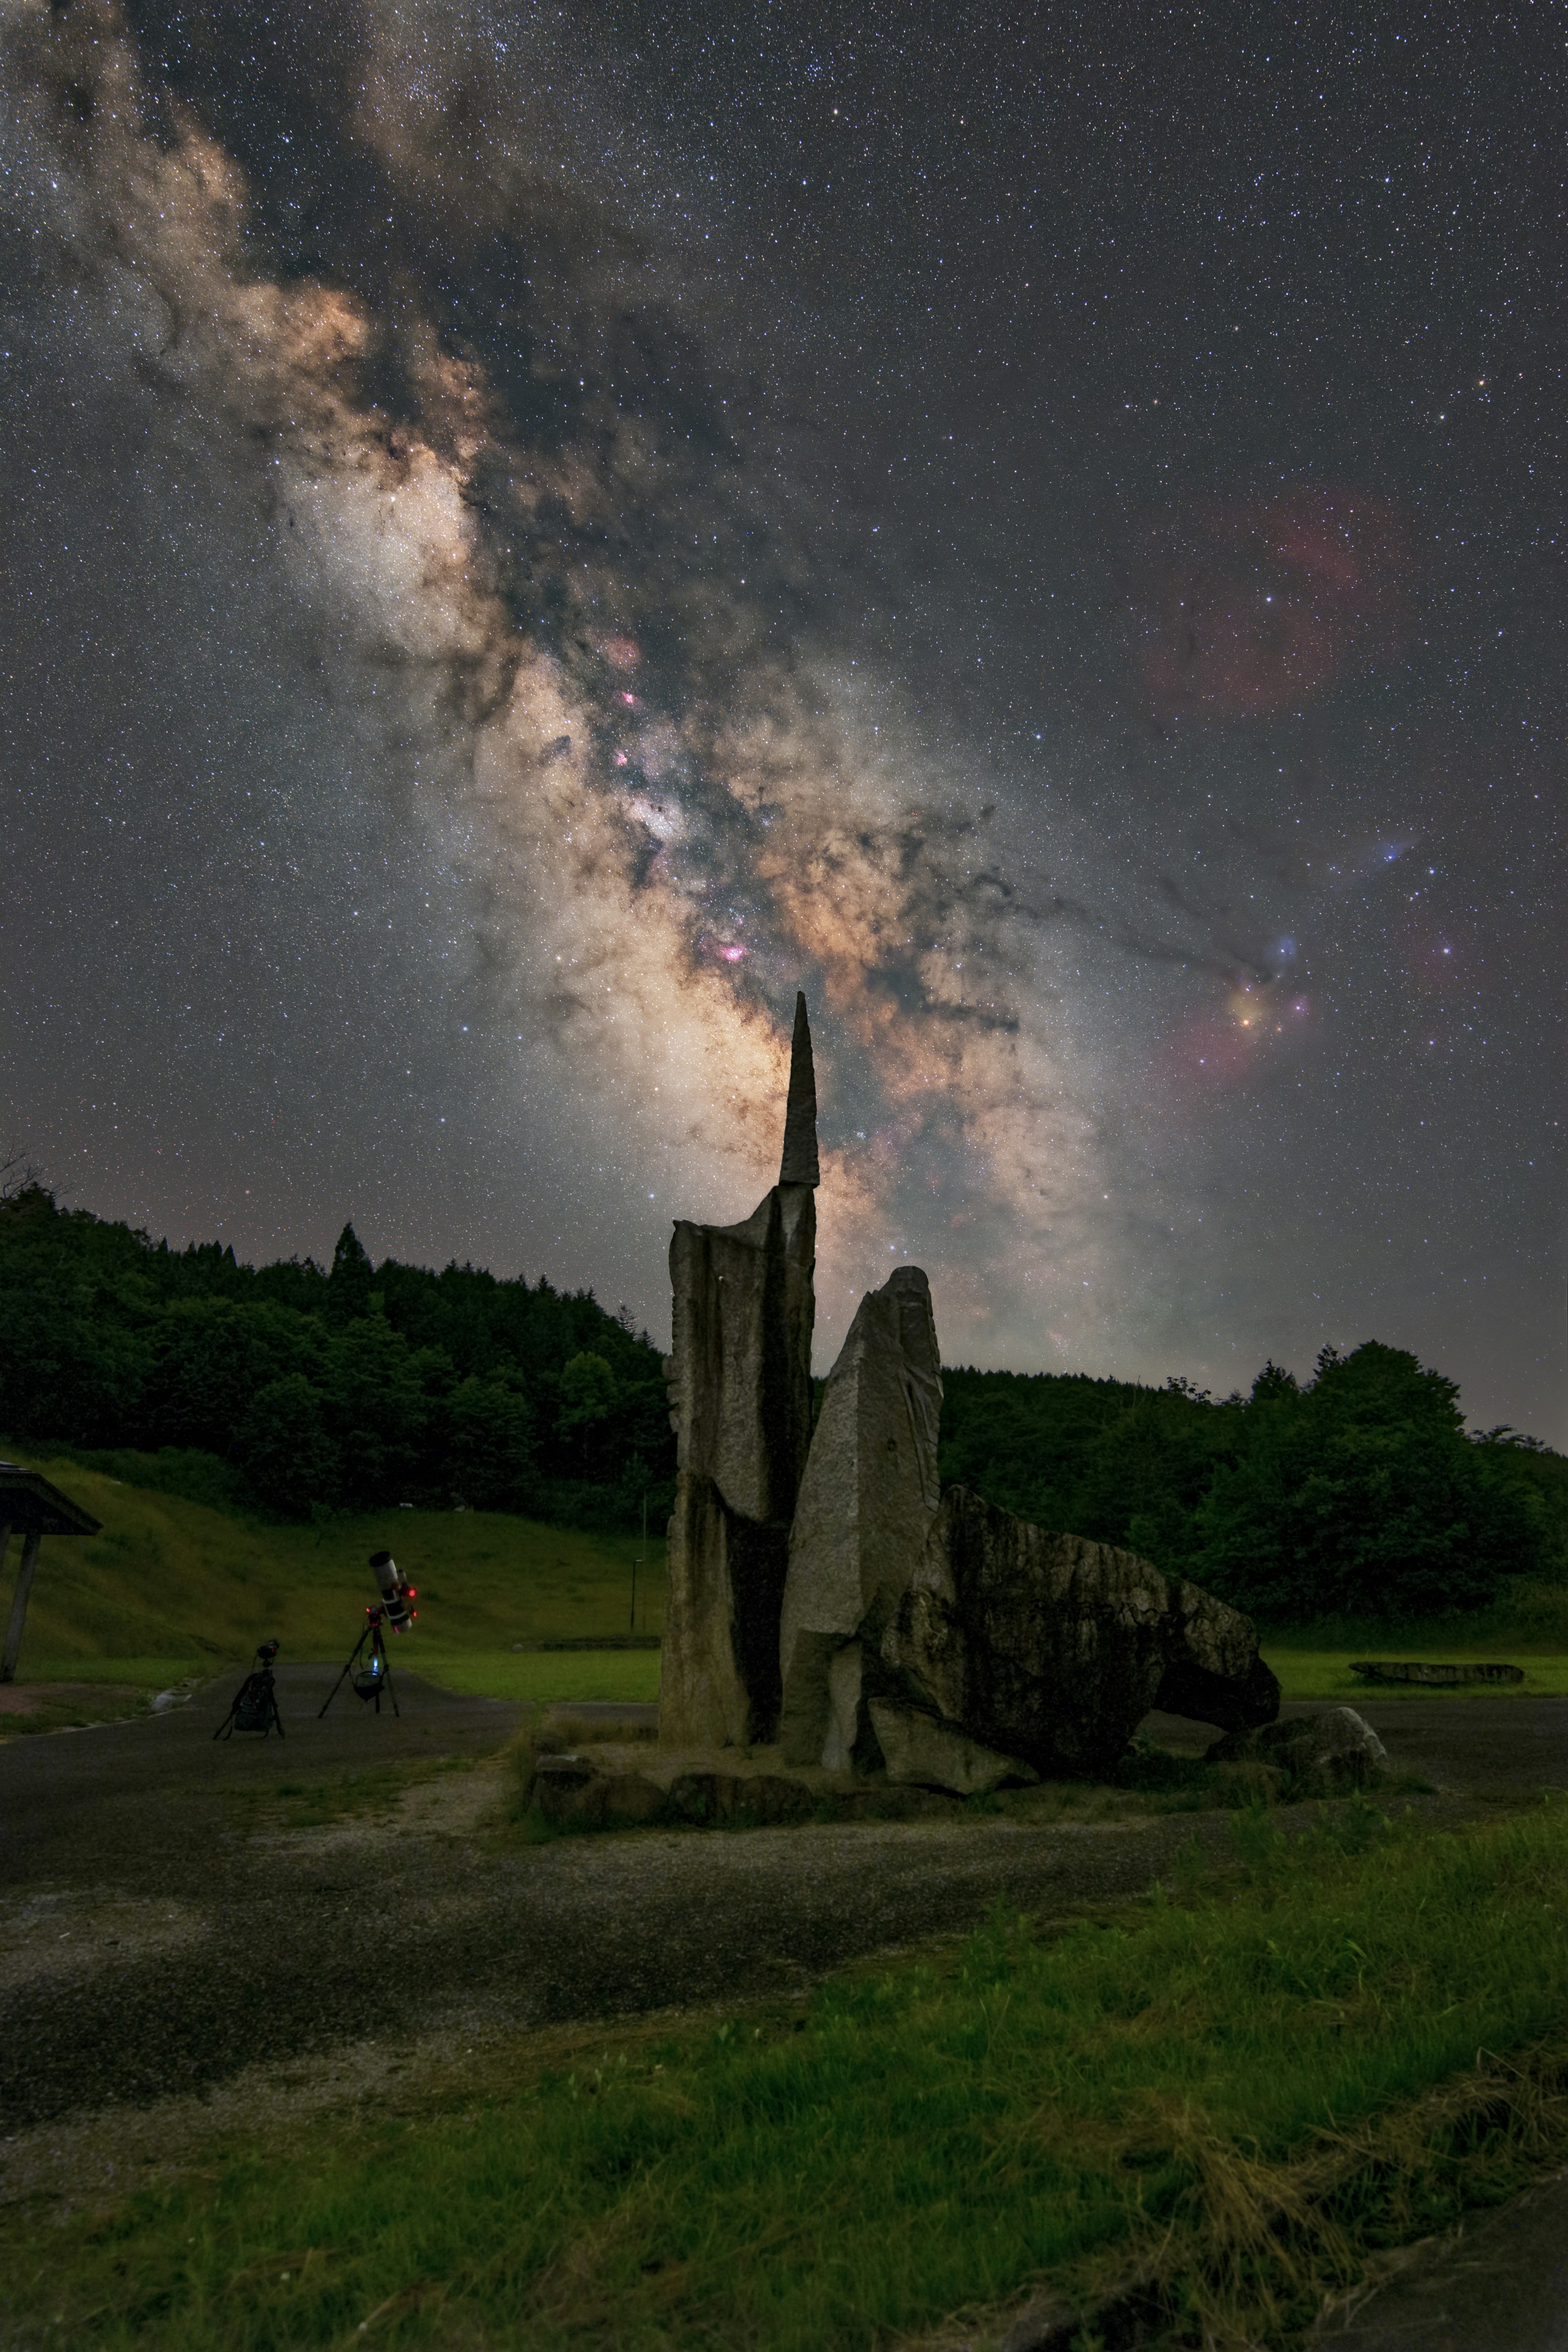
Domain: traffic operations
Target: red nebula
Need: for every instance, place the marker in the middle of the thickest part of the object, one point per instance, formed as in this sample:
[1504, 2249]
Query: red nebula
[621, 653]
[1256, 604]
[1222, 1047]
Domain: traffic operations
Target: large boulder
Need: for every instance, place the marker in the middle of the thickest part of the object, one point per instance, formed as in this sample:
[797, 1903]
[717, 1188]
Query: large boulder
[1051, 1648]
[868, 1498]
[1325, 1753]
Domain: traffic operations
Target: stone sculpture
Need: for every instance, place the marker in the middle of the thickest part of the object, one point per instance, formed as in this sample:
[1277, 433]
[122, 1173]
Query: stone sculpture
[740, 1391]
[824, 1591]
[1052, 1649]
[869, 1495]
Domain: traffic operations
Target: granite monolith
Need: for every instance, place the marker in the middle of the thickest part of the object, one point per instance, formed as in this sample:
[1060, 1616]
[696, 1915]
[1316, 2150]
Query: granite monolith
[739, 1376]
[866, 1502]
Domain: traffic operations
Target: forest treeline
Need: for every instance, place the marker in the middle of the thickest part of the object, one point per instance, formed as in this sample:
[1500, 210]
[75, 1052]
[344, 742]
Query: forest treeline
[297, 1389]
[1358, 1493]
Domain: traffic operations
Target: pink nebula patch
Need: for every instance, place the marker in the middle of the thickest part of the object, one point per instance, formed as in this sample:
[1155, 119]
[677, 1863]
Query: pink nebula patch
[1254, 606]
[621, 653]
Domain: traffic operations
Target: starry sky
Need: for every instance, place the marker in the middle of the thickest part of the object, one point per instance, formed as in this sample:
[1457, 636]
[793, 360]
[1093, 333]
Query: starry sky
[531, 533]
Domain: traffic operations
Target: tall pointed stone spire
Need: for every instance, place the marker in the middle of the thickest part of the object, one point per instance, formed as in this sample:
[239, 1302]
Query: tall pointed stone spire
[739, 1373]
[800, 1163]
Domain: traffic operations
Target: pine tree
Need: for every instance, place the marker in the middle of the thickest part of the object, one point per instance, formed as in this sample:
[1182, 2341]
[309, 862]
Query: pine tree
[352, 1277]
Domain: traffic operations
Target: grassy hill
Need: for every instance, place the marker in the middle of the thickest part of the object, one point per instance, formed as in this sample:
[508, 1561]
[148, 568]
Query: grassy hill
[171, 1586]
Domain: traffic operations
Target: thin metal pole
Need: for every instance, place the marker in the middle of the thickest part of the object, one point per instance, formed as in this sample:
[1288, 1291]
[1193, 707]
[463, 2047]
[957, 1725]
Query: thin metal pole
[639, 1560]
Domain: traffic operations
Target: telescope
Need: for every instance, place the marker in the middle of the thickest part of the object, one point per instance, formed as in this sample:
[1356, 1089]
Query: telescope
[396, 1592]
[375, 1674]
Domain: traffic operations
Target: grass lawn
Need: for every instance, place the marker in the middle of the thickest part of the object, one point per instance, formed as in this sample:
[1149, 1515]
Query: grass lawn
[170, 1587]
[1314, 1673]
[1236, 2087]
[546, 1675]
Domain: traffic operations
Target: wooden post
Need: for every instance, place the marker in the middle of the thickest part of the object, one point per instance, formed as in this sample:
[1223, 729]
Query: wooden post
[19, 1604]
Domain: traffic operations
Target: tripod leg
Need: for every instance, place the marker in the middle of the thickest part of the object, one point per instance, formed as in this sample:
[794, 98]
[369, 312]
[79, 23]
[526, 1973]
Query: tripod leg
[386, 1677]
[337, 1685]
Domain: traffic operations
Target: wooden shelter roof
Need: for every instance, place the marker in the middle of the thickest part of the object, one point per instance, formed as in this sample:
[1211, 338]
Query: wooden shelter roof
[32, 1506]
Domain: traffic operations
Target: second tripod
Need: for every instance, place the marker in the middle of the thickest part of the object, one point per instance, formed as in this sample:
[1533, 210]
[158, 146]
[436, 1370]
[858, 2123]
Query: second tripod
[375, 1674]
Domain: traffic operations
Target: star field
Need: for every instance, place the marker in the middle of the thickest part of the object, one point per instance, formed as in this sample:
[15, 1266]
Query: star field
[532, 532]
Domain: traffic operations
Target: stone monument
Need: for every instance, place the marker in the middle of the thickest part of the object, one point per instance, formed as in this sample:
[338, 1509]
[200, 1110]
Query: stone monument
[867, 1500]
[825, 1593]
[739, 1377]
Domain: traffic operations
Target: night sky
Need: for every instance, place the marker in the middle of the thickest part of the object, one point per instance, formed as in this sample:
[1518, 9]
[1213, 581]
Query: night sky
[530, 533]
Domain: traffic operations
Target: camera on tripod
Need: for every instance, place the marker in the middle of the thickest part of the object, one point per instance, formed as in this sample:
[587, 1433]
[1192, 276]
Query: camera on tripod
[256, 1702]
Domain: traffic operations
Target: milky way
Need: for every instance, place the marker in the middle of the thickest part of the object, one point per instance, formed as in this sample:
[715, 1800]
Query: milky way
[529, 536]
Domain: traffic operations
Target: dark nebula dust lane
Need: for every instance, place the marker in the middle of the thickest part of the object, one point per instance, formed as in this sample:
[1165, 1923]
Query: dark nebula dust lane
[528, 533]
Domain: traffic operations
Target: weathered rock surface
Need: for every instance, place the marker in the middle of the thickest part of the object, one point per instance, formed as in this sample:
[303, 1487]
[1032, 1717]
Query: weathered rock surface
[740, 1394]
[1051, 1648]
[591, 1791]
[1325, 1753]
[866, 1501]
[918, 1751]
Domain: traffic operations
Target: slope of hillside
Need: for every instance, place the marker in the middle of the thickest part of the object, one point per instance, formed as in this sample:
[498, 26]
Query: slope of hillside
[178, 1585]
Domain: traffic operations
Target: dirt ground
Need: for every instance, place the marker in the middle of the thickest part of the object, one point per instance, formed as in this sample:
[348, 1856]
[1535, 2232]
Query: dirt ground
[180, 1941]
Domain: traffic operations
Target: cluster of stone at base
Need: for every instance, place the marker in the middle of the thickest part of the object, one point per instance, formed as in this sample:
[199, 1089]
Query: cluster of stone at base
[603, 1790]
[823, 1593]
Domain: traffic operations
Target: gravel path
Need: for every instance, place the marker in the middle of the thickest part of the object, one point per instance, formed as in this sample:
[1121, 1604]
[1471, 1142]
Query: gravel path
[154, 1940]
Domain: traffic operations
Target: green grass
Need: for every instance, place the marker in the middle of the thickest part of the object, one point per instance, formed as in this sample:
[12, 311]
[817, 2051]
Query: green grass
[174, 1584]
[1157, 2087]
[546, 1675]
[171, 1586]
[1307, 1673]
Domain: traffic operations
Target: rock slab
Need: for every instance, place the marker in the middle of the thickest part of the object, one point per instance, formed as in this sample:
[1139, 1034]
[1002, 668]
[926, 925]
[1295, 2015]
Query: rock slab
[1052, 1649]
[920, 1751]
[867, 1498]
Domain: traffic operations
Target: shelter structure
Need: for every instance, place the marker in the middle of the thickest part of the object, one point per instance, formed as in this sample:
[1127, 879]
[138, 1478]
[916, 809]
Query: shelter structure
[31, 1507]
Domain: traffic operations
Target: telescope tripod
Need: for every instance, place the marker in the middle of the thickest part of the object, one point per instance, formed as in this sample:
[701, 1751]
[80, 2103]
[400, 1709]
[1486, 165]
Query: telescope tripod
[369, 1680]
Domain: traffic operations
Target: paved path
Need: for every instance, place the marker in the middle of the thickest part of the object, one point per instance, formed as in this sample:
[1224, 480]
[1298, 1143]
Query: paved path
[153, 1939]
[1502, 2288]
[160, 1933]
